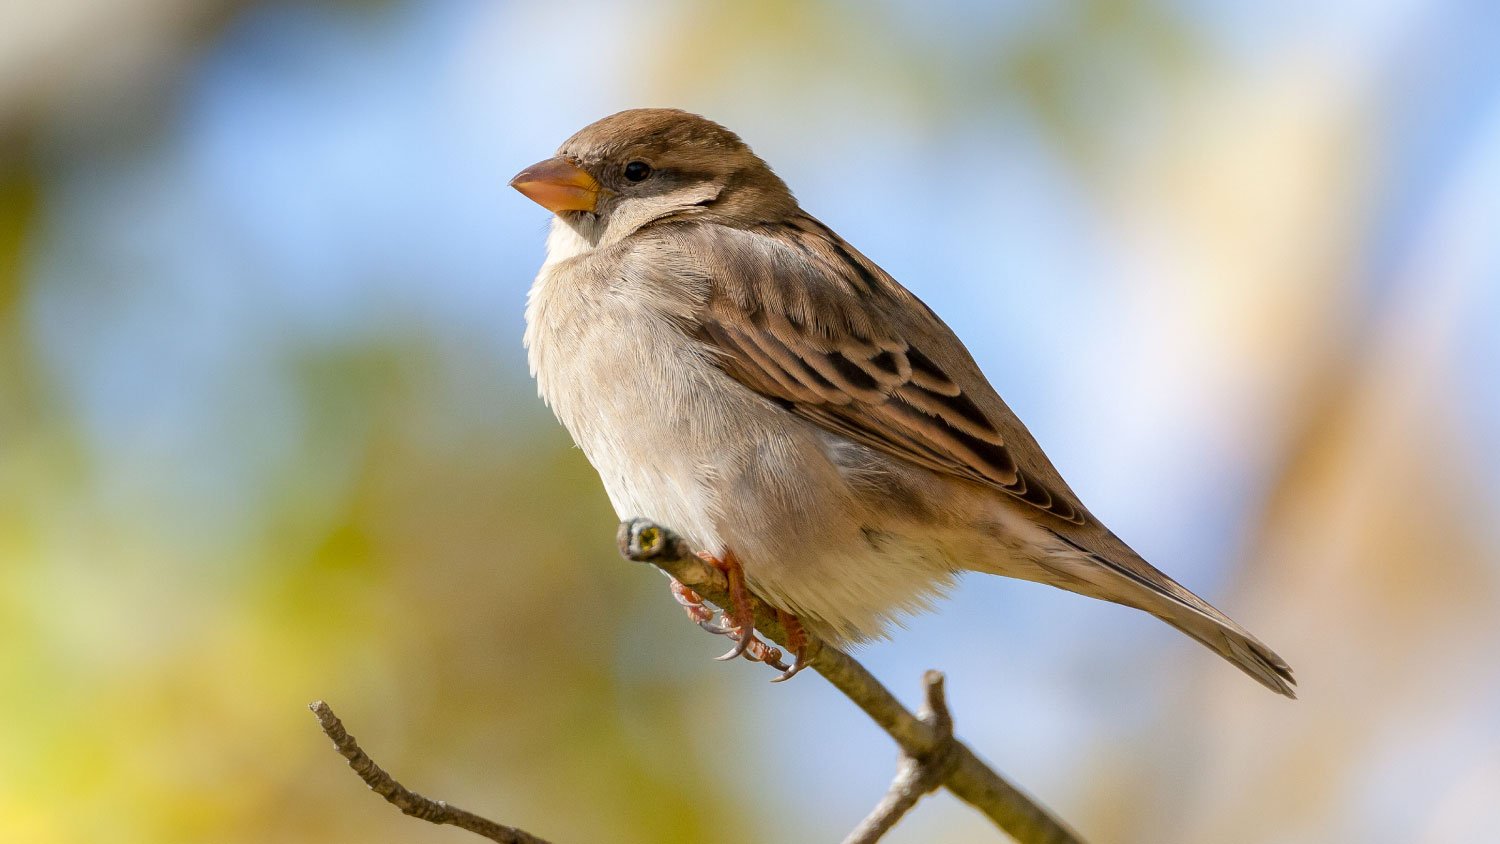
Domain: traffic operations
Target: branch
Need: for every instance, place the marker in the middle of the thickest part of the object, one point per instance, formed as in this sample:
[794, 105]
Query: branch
[931, 757]
[409, 802]
[915, 777]
[928, 748]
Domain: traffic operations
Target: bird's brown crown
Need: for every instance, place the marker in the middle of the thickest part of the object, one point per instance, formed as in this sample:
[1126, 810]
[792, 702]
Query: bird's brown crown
[647, 130]
[683, 149]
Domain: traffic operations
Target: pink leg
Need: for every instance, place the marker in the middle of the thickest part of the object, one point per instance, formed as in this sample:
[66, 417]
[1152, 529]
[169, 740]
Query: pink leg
[796, 639]
[739, 619]
[739, 616]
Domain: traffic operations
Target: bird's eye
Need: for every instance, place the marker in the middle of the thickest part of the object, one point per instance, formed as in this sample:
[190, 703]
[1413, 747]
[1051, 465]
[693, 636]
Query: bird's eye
[637, 171]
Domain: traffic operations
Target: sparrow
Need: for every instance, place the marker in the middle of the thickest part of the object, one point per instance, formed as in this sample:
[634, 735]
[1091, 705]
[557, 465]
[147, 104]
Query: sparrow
[736, 371]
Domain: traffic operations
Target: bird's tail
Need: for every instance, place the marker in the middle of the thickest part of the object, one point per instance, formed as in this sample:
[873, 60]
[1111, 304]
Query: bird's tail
[1230, 641]
[1171, 602]
[1125, 578]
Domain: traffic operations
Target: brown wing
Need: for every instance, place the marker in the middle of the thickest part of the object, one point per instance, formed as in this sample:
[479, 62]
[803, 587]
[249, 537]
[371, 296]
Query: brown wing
[798, 315]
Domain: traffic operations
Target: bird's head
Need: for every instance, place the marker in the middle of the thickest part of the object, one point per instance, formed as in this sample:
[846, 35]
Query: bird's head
[643, 165]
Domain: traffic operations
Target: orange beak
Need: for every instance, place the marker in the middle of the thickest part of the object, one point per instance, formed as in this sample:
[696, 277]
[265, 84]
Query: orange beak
[557, 185]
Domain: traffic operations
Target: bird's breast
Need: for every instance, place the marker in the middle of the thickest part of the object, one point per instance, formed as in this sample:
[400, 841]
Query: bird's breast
[662, 425]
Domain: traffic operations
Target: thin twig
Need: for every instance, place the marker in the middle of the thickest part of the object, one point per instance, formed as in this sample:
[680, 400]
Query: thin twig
[969, 778]
[432, 811]
[915, 777]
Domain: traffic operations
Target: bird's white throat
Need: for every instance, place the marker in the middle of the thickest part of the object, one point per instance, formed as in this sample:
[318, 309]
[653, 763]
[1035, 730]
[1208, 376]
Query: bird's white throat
[567, 240]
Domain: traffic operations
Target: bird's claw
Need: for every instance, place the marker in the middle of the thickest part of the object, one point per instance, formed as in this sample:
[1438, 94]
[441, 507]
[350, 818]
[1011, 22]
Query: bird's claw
[789, 673]
[692, 603]
[738, 621]
[741, 646]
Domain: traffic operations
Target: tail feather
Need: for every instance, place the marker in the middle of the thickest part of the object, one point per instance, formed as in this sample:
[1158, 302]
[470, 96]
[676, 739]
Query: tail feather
[1169, 601]
[1146, 588]
[1230, 641]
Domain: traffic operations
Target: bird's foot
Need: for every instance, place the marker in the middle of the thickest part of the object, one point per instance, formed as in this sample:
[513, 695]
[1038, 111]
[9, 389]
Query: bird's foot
[692, 604]
[796, 640]
[739, 616]
[739, 620]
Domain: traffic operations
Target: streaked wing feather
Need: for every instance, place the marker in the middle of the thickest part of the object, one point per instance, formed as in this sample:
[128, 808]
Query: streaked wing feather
[796, 314]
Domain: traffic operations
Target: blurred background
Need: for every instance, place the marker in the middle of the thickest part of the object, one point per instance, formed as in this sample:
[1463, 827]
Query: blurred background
[267, 435]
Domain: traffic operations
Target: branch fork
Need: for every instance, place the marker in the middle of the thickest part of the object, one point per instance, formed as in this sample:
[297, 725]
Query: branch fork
[916, 776]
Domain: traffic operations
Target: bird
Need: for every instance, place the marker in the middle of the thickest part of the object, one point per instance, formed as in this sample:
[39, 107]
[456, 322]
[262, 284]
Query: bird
[737, 371]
